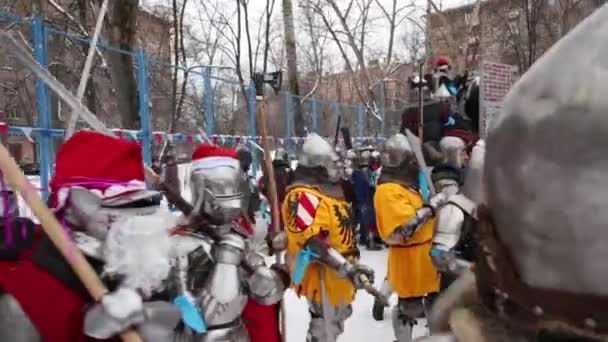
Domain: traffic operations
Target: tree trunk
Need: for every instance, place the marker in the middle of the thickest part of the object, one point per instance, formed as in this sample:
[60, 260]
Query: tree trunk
[175, 69]
[123, 25]
[292, 64]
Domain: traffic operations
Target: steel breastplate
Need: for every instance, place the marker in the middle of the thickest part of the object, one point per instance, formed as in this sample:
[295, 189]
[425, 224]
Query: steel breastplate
[201, 266]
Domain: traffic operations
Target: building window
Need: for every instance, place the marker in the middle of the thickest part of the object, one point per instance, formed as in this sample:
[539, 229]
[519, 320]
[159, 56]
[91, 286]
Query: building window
[513, 15]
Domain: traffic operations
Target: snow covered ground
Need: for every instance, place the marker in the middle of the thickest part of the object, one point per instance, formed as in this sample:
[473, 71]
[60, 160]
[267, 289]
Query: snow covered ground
[361, 326]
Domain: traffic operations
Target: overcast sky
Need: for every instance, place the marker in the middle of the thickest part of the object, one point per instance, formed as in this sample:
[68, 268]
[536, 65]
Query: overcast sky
[377, 38]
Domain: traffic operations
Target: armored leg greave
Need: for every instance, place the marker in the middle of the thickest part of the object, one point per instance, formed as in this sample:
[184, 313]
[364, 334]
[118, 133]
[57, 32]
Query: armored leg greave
[327, 329]
[404, 317]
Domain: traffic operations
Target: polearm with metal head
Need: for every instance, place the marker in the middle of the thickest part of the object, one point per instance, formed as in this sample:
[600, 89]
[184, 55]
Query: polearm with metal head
[418, 82]
[81, 267]
[274, 80]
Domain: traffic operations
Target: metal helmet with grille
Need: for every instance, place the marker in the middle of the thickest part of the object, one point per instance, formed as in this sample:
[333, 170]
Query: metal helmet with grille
[281, 156]
[397, 150]
[453, 149]
[365, 154]
[318, 153]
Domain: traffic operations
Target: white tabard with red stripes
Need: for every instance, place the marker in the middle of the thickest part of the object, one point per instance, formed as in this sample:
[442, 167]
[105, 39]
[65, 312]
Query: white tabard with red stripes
[307, 209]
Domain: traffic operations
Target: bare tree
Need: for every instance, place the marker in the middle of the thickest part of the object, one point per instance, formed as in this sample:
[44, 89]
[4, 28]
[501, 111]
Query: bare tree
[179, 59]
[414, 45]
[395, 16]
[350, 37]
[314, 50]
[562, 16]
[123, 27]
[522, 22]
[292, 62]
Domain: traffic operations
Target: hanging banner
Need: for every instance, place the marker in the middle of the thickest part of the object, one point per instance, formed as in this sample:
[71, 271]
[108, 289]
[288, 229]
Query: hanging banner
[495, 81]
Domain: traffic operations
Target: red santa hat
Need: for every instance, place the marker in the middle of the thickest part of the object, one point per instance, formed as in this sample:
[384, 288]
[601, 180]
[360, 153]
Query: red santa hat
[443, 63]
[207, 156]
[111, 168]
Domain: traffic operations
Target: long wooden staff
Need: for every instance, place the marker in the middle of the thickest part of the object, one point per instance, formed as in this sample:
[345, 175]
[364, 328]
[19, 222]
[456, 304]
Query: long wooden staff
[274, 198]
[54, 231]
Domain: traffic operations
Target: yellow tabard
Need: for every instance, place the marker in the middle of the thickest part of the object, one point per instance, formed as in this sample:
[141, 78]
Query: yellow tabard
[308, 212]
[410, 270]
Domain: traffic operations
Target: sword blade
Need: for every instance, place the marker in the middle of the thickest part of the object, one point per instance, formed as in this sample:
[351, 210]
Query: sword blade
[417, 148]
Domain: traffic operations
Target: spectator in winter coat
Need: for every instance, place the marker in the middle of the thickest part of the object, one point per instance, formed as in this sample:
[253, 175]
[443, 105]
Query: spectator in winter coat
[364, 197]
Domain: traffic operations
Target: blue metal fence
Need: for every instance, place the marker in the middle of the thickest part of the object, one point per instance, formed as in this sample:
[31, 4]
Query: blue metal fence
[319, 116]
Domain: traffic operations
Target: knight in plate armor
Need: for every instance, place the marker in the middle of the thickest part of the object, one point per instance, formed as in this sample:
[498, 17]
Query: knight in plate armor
[98, 193]
[453, 241]
[322, 252]
[216, 270]
[406, 224]
[541, 272]
[444, 84]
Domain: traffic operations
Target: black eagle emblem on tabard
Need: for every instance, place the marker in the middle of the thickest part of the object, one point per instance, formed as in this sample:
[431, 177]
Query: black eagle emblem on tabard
[346, 225]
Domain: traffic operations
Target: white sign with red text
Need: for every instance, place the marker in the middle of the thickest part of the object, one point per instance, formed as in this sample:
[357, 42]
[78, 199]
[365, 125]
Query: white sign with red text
[495, 81]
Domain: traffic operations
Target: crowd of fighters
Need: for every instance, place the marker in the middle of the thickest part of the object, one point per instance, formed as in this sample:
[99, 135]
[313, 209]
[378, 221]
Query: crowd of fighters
[534, 269]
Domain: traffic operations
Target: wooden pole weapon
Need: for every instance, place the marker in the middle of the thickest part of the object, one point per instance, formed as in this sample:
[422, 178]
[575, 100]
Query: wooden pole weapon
[273, 194]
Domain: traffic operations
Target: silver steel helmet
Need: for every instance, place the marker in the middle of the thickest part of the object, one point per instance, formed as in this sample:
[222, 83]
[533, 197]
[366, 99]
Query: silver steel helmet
[350, 162]
[317, 152]
[546, 168]
[397, 150]
[365, 154]
[474, 187]
[453, 149]
[351, 155]
[280, 155]
[375, 156]
[218, 191]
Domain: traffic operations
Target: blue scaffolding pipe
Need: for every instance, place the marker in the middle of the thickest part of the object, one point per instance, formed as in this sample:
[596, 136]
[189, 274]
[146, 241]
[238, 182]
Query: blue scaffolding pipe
[144, 110]
[252, 128]
[5, 16]
[36, 131]
[192, 70]
[44, 134]
[85, 40]
[44, 114]
[208, 100]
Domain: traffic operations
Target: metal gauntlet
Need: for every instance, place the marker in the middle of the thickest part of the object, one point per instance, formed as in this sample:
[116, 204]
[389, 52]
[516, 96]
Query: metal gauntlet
[328, 255]
[267, 285]
[359, 274]
[225, 284]
[408, 229]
